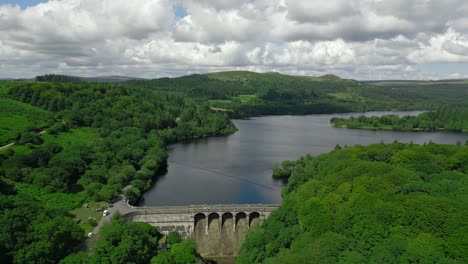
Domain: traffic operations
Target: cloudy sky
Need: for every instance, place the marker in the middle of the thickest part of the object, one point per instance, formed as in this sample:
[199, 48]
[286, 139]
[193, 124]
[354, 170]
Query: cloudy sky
[360, 39]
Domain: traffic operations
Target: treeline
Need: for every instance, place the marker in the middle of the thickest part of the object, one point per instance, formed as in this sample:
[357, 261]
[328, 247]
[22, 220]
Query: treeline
[396, 203]
[100, 139]
[58, 78]
[445, 118]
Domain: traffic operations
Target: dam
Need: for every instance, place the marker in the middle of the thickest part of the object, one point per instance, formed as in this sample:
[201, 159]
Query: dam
[219, 230]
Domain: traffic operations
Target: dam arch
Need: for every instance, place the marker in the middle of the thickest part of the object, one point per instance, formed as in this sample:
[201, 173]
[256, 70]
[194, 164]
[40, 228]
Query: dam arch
[227, 219]
[213, 220]
[254, 219]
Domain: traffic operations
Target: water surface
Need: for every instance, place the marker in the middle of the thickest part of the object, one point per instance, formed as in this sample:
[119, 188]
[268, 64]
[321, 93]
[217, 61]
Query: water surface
[237, 169]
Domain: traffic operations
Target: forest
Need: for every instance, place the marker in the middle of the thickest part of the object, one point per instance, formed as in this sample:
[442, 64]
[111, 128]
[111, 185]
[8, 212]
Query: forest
[84, 142]
[444, 118]
[394, 203]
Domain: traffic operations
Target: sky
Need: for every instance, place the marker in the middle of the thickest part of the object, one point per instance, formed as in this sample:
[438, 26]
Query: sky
[358, 39]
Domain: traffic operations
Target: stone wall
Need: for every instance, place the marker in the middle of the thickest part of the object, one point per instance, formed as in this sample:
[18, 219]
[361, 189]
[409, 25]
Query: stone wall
[165, 222]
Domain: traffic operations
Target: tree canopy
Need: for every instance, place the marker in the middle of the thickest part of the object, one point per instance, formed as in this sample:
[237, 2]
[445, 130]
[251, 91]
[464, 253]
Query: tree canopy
[397, 203]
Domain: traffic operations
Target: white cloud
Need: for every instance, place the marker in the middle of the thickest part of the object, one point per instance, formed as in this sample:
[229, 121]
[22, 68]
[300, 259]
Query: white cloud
[458, 75]
[448, 47]
[354, 38]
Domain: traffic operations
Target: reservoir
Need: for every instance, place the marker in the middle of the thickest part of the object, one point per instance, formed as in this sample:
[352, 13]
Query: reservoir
[237, 169]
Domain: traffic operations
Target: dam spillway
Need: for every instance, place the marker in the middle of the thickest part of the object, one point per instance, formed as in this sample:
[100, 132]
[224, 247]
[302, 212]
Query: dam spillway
[219, 230]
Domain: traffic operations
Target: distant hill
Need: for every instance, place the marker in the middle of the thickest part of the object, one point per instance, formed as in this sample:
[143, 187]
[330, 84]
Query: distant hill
[248, 75]
[110, 79]
[74, 79]
[417, 82]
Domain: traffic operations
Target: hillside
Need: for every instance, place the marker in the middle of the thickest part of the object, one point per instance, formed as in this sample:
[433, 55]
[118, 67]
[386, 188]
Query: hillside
[17, 117]
[98, 139]
[244, 93]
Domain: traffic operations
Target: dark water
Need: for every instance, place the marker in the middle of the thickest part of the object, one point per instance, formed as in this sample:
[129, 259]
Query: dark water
[237, 169]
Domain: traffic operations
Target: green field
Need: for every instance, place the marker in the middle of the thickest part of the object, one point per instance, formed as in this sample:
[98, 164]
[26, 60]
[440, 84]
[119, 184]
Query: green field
[17, 116]
[73, 138]
[54, 200]
[83, 214]
[245, 98]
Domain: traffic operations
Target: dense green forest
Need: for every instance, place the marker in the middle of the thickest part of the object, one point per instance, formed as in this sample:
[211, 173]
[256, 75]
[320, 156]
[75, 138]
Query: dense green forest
[81, 142]
[245, 94]
[445, 118]
[396, 203]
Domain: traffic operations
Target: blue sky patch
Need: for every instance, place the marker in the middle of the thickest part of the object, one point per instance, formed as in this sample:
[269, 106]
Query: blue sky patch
[23, 3]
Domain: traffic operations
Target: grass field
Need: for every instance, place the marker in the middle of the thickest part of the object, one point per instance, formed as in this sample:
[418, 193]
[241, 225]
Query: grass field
[245, 98]
[224, 105]
[74, 137]
[49, 200]
[220, 109]
[17, 116]
[83, 214]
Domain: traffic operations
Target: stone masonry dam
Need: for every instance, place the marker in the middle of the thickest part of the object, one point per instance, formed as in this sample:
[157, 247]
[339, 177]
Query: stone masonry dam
[219, 230]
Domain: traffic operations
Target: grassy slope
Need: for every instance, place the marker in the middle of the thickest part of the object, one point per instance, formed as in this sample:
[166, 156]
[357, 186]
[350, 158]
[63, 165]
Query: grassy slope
[73, 138]
[17, 116]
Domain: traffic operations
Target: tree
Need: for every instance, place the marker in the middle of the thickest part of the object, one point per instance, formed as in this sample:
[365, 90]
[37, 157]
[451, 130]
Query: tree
[180, 253]
[126, 242]
[133, 194]
[173, 238]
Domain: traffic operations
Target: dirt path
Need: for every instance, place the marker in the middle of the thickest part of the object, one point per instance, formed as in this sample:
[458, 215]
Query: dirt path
[11, 144]
[6, 146]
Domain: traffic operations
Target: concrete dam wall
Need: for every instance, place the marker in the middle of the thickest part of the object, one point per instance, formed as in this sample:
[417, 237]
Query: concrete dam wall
[219, 230]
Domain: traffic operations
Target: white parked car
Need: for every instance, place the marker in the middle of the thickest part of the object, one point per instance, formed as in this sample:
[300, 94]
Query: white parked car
[105, 212]
[90, 234]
